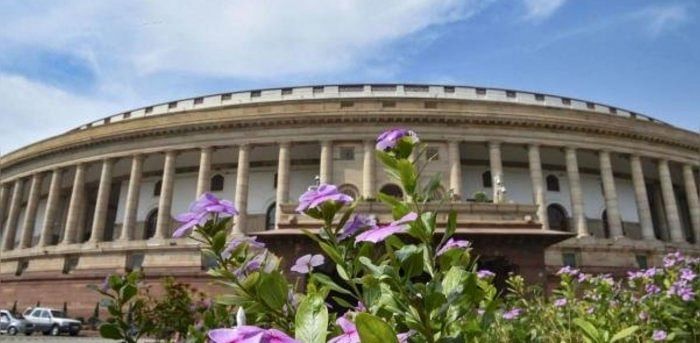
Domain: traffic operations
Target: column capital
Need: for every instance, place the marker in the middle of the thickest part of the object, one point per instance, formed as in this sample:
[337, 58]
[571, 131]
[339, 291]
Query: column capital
[244, 146]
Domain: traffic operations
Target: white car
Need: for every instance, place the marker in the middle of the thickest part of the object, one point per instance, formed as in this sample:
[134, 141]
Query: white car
[52, 322]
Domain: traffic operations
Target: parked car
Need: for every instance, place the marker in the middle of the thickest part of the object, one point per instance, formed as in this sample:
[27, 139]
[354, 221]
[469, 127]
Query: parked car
[14, 324]
[53, 322]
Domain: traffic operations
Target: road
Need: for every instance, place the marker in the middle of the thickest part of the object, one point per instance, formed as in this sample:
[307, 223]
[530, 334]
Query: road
[49, 339]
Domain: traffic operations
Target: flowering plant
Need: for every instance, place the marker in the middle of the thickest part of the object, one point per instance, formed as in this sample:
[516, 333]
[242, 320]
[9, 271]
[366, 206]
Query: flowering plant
[404, 280]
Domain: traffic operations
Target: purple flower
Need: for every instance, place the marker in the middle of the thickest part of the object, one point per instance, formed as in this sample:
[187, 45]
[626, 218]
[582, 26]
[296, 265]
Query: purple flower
[250, 240]
[485, 274]
[560, 302]
[582, 277]
[250, 266]
[652, 289]
[189, 220]
[651, 272]
[306, 263]
[567, 270]
[512, 314]
[380, 233]
[681, 289]
[199, 212]
[453, 244]
[672, 259]
[249, 334]
[687, 274]
[635, 275]
[349, 334]
[316, 196]
[659, 335]
[387, 140]
[643, 316]
[358, 222]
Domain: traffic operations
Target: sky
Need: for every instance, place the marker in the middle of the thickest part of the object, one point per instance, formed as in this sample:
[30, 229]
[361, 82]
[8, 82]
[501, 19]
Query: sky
[65, 63]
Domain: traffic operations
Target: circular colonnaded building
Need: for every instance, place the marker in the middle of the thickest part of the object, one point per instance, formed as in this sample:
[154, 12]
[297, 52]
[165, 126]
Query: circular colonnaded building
[590, 185]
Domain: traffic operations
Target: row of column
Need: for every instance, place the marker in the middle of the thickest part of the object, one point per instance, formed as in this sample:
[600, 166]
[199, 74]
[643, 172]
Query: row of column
[77, 199]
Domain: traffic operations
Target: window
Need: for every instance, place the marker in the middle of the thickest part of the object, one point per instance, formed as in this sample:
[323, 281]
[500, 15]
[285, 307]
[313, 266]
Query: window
[346, 104]
[415, 88]
[349, 190]
[392, 190]
[606, 225]
[225, 97]
[198, 101]
[148, 110]
[539, 97]
[271, 216]
[556, 215]
[317, 89]
[432, 153]
[510, 94]
[45, 314]
[642, 262]
[287, 91]
[255, 94]
[569, 259]
[552, 183]
[347, 153]
[149, 229]
[590, 105]
[172, 104]
[388, 104]
[613, 110]
[430, 104]
[126, 115]
[486, 179]
[157, 187]
[481, 91]
[21, 267]
[449, 89]
[216, 183]
[134, 262]
[70, 263]
[566, 101]
[351, 88]
[383, 88]
[36, 313]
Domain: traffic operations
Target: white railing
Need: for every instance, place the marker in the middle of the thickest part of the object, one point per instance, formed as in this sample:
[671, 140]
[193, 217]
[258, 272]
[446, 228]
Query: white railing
[369, 91]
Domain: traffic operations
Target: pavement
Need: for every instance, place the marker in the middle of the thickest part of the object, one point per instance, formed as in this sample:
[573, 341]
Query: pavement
[50, 339]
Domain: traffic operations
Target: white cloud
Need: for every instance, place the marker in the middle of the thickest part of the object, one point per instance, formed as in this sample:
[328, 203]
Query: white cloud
[131, 47]
[541, 9]
[661, 19]
[32, 111]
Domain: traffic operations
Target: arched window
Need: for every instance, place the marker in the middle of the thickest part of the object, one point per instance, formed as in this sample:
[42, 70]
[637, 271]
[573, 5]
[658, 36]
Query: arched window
[552, 183]
[216, 183]
[157, 187]
[392, 190]
[556, 215]
[149, 229]
[270, 216]
[350, 190]
[606, 225]
[486, 179]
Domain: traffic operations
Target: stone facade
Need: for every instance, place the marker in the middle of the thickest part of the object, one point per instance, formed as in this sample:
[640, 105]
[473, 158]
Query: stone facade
[615, 188]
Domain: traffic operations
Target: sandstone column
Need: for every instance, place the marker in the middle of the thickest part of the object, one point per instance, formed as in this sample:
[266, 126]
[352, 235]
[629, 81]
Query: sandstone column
[204, 177]
[100, 217]
[610, 194]
[455, 169]
[674, 221]
[132, 198]
[30, 212]
[496, 167]
[577, 209]
[13, 216]
[536, 178]
[326, 167]
[642, 199]
[282, 180]
[241, 199]
[691, 191]
[368, 170]
[4, 194]
[51, 207]
[77, 197]
[165, 201]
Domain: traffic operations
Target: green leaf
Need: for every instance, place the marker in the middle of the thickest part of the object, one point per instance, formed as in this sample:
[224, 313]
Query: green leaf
[327, 281]
[110, 331]
[274, 288]
[409, 179]
[115, 282]
[331, 252]
[624, 333]
[453, 283]
[311, 320]
[342, 272]
[128, 292]
[374, 330]
[588, 329]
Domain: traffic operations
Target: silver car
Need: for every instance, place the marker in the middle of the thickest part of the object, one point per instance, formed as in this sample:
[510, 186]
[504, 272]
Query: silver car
[14, 324]
[52, 322]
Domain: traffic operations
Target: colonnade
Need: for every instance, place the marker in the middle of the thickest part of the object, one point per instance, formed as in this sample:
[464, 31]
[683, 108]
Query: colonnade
[11, 193]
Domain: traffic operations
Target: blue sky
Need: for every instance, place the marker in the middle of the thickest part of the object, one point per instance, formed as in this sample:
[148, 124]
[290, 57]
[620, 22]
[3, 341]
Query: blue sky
[69, 62]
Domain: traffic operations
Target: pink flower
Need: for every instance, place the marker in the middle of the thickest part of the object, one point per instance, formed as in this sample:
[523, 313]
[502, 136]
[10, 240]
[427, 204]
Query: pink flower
[389, 138]
[249, 334]
[560, 302]
[485, 274]
[659, 335]
[512, 314]
[380, 233]
[358, 222]
[306, 263]
[199, 212]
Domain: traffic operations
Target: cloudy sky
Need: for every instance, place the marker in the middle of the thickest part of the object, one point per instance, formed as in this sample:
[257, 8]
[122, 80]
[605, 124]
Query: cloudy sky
[64, 63]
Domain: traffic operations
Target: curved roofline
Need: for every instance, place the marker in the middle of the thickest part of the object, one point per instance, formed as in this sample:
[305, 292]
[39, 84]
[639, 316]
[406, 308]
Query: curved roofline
[364, 90]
